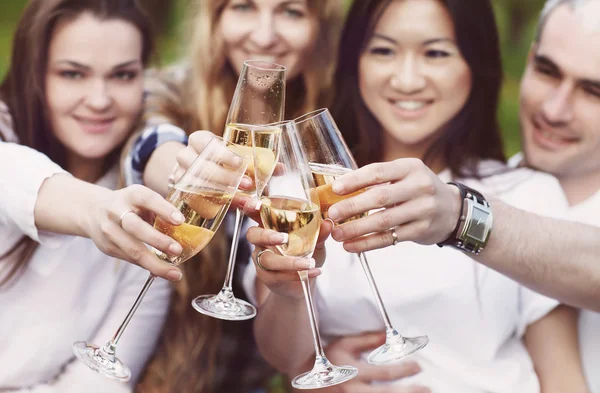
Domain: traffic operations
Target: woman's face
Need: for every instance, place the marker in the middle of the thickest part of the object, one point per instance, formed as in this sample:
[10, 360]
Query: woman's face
[94, 85]
[277, 31]
[412, 76]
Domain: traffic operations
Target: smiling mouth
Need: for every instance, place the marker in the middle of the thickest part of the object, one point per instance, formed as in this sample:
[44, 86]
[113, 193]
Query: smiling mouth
[553, 137]
[410, 105]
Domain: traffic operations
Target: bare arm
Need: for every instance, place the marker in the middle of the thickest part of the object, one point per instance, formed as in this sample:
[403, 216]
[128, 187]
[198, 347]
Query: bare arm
[554, 349]
[557, 258]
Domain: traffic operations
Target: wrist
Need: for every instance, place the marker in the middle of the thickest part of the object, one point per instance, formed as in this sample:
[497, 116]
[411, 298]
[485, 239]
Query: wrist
[454, 213]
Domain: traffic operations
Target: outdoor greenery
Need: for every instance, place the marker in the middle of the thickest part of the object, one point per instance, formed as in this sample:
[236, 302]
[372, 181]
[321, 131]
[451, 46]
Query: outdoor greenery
[516, 21]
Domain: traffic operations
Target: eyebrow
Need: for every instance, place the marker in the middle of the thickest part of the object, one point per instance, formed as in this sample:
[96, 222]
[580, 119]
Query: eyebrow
[425, 43]
[87, 68]
[545, 60]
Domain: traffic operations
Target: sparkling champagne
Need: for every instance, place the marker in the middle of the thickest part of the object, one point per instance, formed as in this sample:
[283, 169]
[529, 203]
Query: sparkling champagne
[264, 157]
[203, 210]
[300, 219]
[324, 175]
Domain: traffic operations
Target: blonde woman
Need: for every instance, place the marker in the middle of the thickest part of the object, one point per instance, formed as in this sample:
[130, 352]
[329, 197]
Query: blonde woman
[197, 353]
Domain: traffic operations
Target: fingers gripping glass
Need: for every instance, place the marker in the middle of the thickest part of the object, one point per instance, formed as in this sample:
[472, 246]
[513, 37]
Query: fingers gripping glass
[203, 195]
[291, 205]
[257, 102]
[329, 157]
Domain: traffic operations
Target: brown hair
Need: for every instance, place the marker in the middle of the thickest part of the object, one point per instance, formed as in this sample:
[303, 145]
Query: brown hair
[23, 89]
[203, 100]
[197, 351]
[473, 134]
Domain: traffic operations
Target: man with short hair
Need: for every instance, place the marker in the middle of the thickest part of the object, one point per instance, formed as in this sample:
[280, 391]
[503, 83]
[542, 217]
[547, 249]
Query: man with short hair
[560, 125]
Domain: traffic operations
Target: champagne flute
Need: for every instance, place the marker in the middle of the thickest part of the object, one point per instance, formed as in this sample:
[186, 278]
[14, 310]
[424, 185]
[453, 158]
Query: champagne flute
[257, 102]
[292, 207]
[203, 195]
[329, 158]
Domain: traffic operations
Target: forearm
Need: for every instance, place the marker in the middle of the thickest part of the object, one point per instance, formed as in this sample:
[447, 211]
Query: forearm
[160, 166]
[62, 202]
[557, 258]
[283, 334]
[554, 349]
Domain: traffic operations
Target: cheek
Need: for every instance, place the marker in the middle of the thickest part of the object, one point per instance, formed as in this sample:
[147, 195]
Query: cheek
[232, 29]
[368, 83]
[61, 96]
[129, 101]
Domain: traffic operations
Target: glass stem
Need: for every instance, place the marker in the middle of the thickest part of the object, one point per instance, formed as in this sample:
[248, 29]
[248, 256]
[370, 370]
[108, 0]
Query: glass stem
[111, 346]
[389, 329]
[227, 291]
[311, 315]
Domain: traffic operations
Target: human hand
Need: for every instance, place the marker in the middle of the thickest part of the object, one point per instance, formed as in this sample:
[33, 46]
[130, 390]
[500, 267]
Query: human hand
[118, 222]
[280, 273]
[197, 142]
[348, 350]
[418, 206]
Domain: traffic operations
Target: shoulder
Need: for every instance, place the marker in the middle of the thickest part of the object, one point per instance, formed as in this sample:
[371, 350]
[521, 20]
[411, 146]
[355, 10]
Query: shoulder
[6, 124]
[522, 187]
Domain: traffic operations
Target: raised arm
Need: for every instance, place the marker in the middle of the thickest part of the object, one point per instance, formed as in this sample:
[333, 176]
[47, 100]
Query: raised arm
[39, 196]
[557, 258]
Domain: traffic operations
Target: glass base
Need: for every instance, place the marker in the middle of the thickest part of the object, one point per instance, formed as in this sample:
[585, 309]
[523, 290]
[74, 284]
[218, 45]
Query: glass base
[231, 309]
[397, 348]
[328, 376]
[101, 361]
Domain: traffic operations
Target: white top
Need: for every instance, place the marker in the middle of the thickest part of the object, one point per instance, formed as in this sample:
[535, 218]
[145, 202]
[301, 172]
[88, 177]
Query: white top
[70, 291]
[587, 212]
[474, 316]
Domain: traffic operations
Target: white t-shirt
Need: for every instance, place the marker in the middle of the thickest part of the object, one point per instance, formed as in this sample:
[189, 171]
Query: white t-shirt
[587, 212]
[474, 316]
[70, 291]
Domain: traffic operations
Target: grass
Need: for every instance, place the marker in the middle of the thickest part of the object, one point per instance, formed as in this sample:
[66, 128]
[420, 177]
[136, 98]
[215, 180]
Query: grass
[170, 47]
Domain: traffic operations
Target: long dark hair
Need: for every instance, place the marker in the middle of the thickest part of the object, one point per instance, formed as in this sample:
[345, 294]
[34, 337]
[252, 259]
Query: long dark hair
[473, 134]
[23, 89]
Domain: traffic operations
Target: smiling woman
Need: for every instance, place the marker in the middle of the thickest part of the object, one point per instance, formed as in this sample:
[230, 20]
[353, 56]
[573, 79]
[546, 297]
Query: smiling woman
[74, 94]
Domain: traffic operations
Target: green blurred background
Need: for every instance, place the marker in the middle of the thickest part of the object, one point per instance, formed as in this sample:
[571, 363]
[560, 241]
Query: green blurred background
[516, 21]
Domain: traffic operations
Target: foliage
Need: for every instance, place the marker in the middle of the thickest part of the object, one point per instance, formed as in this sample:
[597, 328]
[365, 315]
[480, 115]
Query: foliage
[516, 21]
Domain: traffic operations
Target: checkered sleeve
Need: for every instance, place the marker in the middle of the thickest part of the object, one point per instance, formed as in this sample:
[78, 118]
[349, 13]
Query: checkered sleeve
[149, 139]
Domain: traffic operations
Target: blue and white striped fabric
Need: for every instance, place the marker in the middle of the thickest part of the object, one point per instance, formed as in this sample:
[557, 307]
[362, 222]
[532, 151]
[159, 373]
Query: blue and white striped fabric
[152, 137]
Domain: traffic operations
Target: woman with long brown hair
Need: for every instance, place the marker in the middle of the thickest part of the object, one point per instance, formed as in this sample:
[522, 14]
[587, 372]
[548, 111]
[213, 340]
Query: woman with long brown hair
[301, 35]
[418, 82]
[72, 96]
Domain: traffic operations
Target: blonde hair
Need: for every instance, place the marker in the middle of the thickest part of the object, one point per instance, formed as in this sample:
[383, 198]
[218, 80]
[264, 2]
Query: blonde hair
[196, 350]
[201, 100]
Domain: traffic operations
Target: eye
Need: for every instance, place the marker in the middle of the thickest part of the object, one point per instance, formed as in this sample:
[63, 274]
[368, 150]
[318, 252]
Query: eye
[592, 91]
[71, 74]
[242, 7]
[381, 51]
[546, 70]
[436, 53]
[125, 75]
[293, 13]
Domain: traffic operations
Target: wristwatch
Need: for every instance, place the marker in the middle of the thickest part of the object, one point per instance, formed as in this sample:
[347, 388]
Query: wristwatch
[474, 225]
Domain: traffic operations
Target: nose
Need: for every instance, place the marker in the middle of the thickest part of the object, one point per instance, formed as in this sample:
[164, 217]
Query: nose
[557, 107]
[98, 97]
[264, 34]
[409, 77]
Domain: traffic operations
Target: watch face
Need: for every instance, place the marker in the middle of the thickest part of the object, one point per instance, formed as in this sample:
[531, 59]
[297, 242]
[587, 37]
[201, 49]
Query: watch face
[478, 227]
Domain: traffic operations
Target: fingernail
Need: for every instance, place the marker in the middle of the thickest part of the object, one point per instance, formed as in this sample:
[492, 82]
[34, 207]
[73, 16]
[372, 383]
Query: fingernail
[337, 187]
[246, 182]
[177, 217]
[175, 249]
[337, 233]
[174, 275]
[258, 205]
[304, 263]
[278, 237]
[333, 213]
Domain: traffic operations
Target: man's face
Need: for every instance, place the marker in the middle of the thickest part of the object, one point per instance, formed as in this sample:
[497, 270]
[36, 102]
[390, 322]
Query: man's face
[560, 97]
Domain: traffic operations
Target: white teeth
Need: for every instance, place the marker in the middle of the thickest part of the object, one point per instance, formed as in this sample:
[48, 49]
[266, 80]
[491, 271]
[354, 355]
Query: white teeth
[267, 58]
[410, 105]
